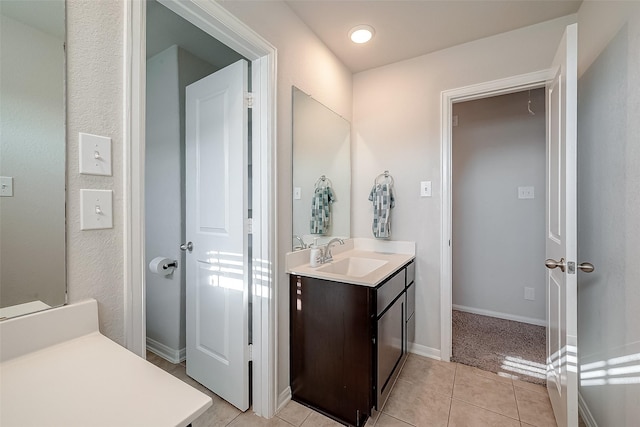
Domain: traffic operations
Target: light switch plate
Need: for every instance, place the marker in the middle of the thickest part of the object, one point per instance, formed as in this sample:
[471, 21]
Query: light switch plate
[297, 193]
[6, 186]
[425, 189]
[95, 154]
[96, 210]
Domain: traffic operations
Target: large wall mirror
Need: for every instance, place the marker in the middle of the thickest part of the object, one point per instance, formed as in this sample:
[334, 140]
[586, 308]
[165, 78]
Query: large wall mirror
[321, 172]
[32, 156]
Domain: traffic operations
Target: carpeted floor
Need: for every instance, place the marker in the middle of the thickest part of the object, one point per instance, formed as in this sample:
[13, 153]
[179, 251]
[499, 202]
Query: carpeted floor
[505, 347]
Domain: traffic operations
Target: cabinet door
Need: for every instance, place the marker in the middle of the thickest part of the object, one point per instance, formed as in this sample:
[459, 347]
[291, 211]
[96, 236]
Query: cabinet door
[390, 348]
[332, 348]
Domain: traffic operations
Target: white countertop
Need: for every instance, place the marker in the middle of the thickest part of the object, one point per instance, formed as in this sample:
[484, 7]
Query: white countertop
[396, 253]
[88, 380]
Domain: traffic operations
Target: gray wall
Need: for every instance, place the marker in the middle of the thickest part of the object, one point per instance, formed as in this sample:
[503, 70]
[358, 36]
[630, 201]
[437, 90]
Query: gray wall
[498, 239]
[609, 211]
[168, 74]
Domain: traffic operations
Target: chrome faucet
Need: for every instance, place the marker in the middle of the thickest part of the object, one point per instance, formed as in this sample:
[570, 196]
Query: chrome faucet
[327, 252]
[303, 245]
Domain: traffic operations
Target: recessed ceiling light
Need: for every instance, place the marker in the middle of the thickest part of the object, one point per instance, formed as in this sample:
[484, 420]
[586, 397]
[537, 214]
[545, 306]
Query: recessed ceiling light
[361, 34]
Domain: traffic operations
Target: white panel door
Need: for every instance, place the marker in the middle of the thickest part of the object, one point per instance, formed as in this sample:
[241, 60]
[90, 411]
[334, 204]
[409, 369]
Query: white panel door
[561, 230]
[217, 292]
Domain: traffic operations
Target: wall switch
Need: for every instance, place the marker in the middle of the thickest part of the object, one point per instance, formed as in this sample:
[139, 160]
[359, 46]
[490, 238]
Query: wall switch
[96, 209]
[297, 193]
[454, 121]
[6, 186]
[425, 189]
[526, 192]
[529, 294]
[95, 155]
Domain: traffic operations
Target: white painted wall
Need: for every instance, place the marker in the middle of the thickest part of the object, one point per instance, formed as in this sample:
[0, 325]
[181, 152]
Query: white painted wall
[498, 239]
[95, 90]
[32, 234]
[396, 126]
[609, 210]
[168, 74]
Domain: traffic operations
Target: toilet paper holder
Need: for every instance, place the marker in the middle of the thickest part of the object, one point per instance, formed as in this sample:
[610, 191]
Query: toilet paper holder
[173, 264]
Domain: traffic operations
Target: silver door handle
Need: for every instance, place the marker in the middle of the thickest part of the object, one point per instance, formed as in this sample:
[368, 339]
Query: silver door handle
[186, 246]
[586, 267]
[551, 264]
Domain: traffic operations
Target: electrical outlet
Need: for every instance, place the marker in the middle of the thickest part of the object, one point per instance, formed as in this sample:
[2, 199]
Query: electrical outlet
[526, 192]
[529, 294]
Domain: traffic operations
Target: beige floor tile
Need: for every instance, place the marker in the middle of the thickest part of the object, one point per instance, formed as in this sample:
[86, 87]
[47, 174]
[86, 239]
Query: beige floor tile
[531, 386]
[316, 419]
[249, 419]
[535, 408]
[373, 418]
[487, 393]
[220, 414]
[388, 421]
[470, 370]
[466, 415]
[417, 405]
[433, 374]
[294, 413]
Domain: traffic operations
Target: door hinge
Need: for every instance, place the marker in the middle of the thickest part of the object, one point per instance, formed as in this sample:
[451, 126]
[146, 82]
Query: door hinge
[250, 352]
[249, 225]
[248, 96]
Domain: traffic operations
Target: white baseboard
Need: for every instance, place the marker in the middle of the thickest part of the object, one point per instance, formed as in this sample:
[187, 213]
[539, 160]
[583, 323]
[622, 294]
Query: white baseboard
[166, 352]
[283, 399]
[585, 413]
[423, 350]
[506, 316]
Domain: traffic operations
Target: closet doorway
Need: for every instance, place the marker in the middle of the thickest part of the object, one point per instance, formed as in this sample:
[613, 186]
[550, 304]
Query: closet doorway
[498, 208]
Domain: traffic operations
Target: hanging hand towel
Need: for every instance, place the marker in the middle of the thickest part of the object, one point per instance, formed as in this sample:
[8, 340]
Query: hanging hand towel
[383, 200]
[321, 209]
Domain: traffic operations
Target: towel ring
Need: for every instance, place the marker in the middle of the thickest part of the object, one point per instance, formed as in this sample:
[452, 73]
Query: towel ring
[323, 181]
[387, 177]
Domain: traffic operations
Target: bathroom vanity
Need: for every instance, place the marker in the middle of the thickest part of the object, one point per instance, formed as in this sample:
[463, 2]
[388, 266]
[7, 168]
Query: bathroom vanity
[351, 321]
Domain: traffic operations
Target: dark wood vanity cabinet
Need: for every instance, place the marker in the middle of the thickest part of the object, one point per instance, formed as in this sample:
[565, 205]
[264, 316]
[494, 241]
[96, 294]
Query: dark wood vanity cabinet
[348, 343]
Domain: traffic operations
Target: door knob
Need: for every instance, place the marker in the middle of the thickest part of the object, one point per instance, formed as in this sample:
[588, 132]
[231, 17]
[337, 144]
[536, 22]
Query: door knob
[551, 264]
[186, 246]
[586, 267]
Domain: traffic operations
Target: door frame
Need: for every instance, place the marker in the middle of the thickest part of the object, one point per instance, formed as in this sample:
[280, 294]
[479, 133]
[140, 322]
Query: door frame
[226, 28]
[504, 86]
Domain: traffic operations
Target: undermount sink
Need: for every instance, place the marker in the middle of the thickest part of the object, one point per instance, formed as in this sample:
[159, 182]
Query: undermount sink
[353, 266]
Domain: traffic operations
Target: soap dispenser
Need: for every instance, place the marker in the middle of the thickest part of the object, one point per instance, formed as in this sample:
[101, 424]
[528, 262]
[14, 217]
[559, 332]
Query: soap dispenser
[315, 255]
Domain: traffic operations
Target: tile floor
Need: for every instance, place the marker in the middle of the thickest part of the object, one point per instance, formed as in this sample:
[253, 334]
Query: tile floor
[427, 393]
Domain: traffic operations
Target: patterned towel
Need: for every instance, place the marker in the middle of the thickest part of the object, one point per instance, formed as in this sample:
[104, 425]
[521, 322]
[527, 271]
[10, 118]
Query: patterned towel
[321, 209]
[383, 200]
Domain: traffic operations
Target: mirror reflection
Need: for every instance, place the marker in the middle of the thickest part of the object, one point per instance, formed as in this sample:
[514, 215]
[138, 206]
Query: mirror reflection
[321, 172]
[32, 156]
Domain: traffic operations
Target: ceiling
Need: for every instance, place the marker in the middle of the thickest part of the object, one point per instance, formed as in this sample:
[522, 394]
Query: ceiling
[406, 29]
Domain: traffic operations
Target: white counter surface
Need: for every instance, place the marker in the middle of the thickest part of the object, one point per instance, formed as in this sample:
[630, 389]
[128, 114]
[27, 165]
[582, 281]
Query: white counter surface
[90, 380]
[397, 254]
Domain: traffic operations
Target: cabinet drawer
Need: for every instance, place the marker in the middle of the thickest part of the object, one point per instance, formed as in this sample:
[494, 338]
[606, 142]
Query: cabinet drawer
[390, 290]
[411, 273]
